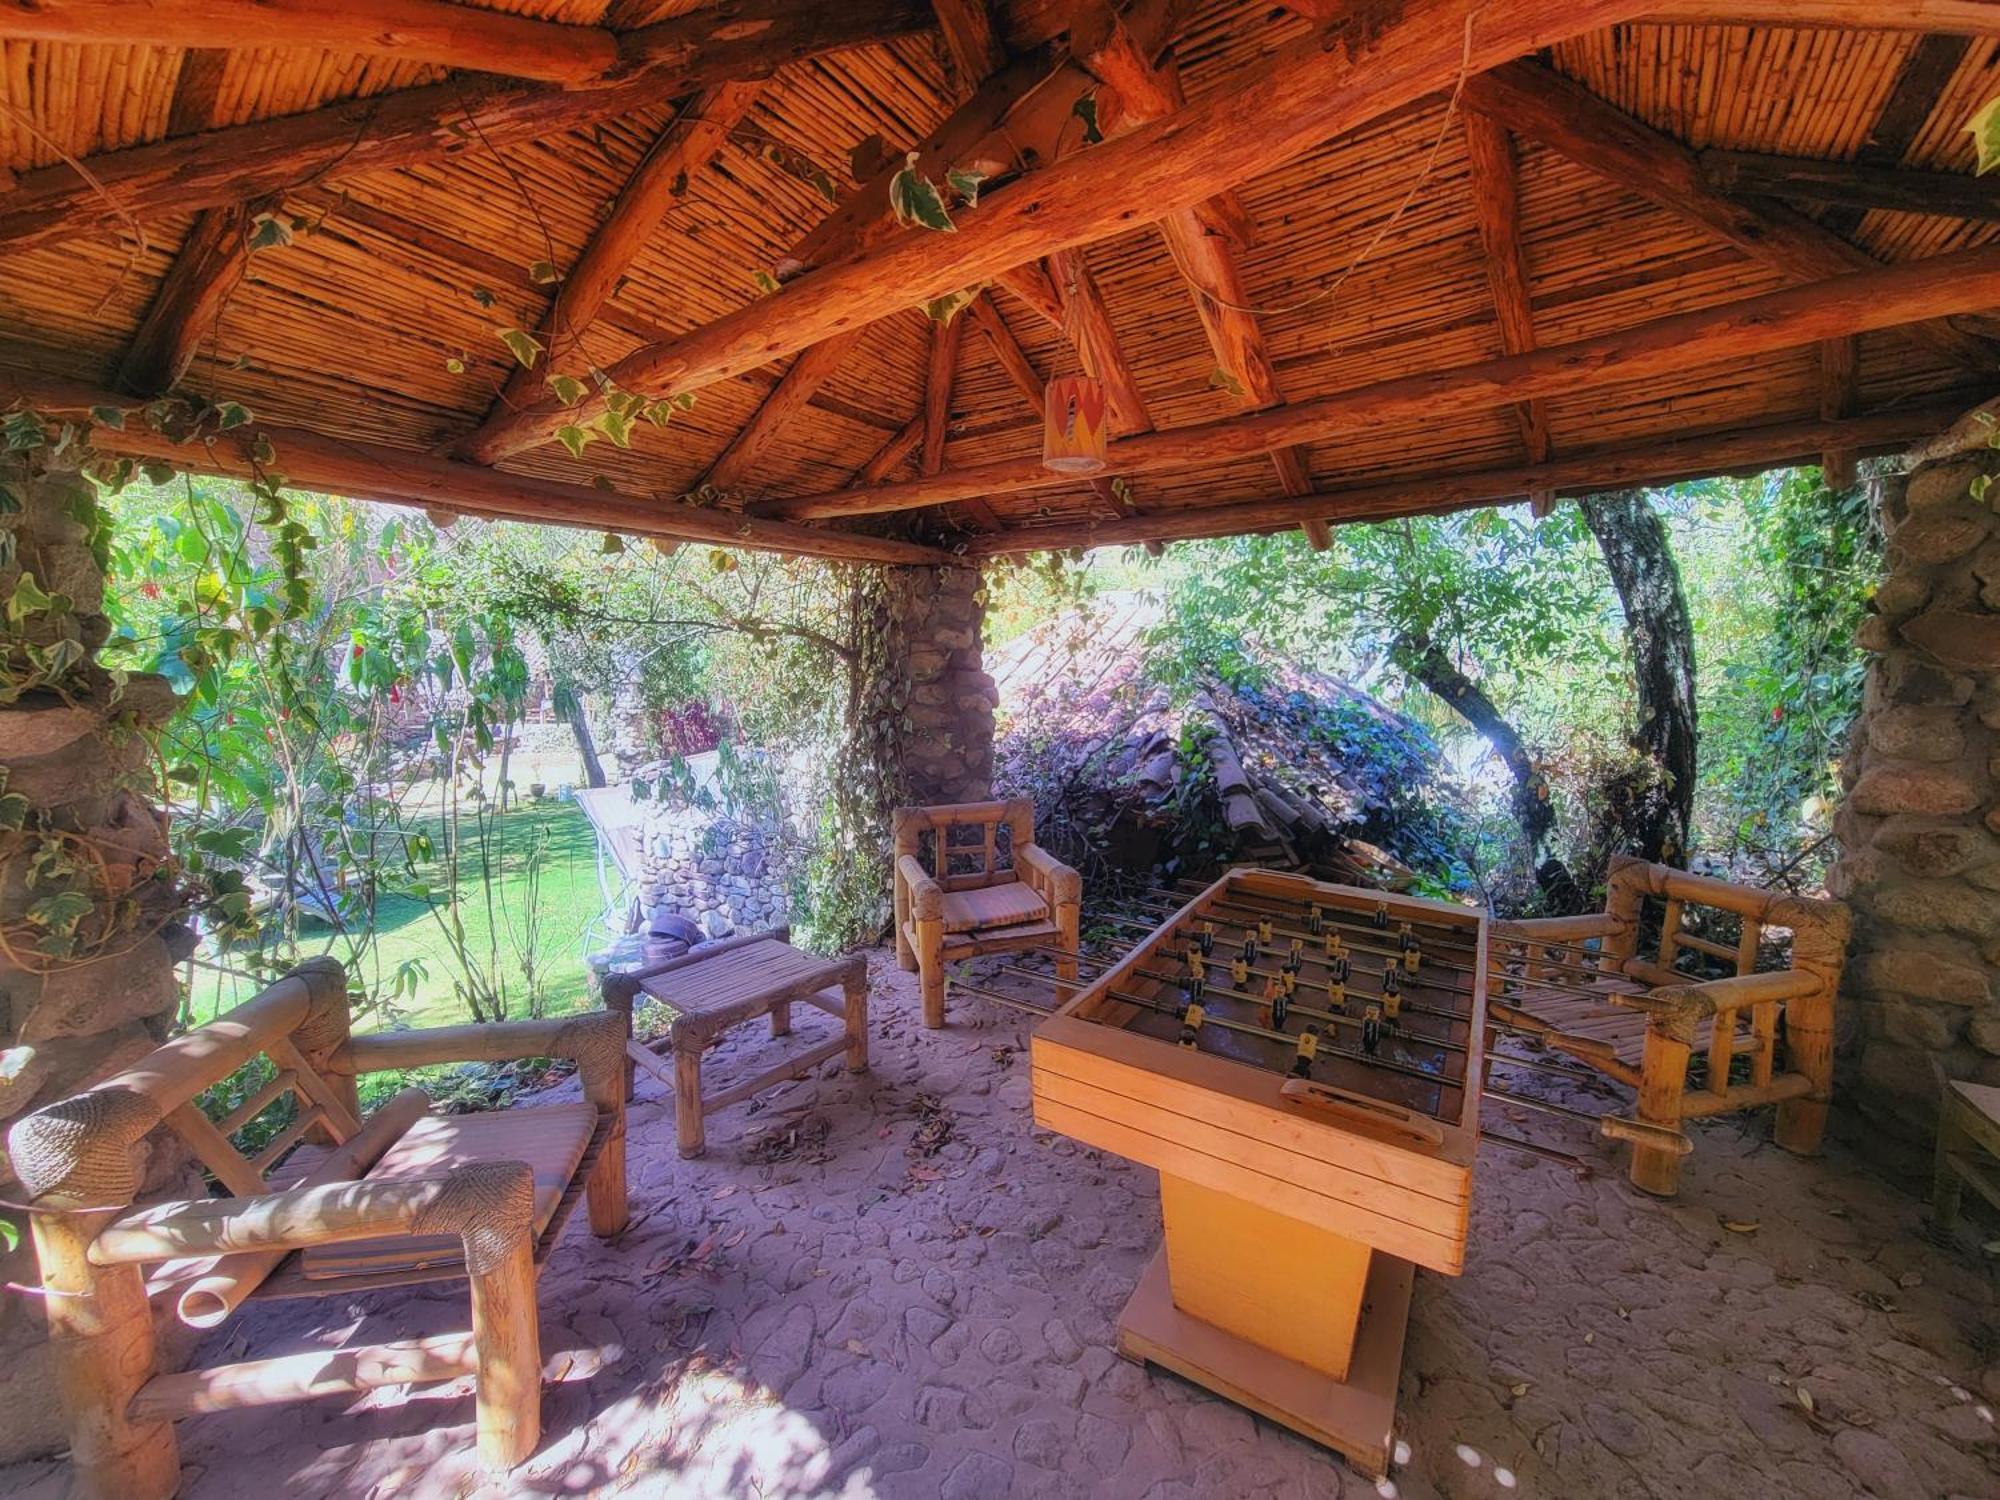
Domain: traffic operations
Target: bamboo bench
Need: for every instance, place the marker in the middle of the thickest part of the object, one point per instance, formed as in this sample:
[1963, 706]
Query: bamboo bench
[399, 1197]
[961, 892]
[1579, 985]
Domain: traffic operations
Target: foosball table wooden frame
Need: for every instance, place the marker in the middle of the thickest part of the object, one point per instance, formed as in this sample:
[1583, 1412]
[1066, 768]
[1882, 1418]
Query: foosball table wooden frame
[1298, 1202]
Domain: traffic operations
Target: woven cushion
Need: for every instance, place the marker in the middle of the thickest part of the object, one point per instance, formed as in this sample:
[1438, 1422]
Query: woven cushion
[1006, 905]
[551, 1141]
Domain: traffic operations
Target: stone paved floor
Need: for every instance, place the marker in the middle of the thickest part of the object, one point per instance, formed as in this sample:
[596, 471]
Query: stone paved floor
[820, 1307]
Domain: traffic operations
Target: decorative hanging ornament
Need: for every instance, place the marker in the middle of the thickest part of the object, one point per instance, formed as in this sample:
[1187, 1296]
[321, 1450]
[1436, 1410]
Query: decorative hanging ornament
[1073, 431]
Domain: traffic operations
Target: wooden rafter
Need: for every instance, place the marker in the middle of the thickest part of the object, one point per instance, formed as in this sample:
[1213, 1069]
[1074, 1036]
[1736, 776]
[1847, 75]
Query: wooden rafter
[946, 340]
[684, 146]
[1544, 106]
[188, 301]
[375, 471]
[899, 446]
[1852, 185]
[1946, 17]
[695, 51]
[1859, 302]
[1734, 450]
[419, 31]
[1305, 95]
[1141, 90]
[1839, 396]
[1496, 211]
[788, 398]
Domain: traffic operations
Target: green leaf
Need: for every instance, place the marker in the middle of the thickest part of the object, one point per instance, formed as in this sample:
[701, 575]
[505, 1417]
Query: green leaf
[574, 438]
[453, 365]
[1984, 129]
[1220, 379]
[764, 281]
[13, 811]
[616, 426]
[568, 389]
[965, 182]
[682, 400]
[1085, 109]
[23, 430]
[869, 156]
[27, 599]
[951, 304]
[264, 451]
[482, 296]
[523, 345]
[659, 412]
[157, 472]
[270, 231]
[916, 201]
[60, 913]
[544, 273]
[230, 414]
[109, 416]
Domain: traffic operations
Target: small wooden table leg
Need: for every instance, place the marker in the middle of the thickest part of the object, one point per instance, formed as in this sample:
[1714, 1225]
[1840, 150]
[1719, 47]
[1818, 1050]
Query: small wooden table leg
[781, 1018]
[688, 1131]
[854, 1013]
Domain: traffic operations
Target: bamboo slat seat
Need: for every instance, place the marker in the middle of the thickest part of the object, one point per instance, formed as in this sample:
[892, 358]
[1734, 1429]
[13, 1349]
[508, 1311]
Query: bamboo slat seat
[1578, 984]
[551, 1141]
[993, 906]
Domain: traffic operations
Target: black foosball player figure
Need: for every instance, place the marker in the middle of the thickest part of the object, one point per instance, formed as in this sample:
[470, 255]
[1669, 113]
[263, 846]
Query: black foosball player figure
[1281, 1007]
[1250, 948]
[1392, 996]
[1302, 1060]
[1340, 966]
[1371, 1030]
[1315, 920]
[1193, 986]
[1205, 939]
[1296, 959]
[1191, 1019]
[1381, 917]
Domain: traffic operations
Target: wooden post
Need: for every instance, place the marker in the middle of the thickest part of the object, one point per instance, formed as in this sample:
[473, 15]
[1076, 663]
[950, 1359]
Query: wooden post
[1820, 931]
[1662, 1080]
[781, 1018]
[688, 1132]
[854, 1015]
[597, 1042]
[905, 832]
[930, 968]
[328, 1025]
[1624, 895]
[101, 1353]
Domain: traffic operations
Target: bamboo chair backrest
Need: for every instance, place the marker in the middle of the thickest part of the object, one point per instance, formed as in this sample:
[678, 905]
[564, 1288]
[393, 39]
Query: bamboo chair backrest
[1707, 927]
[966, 845]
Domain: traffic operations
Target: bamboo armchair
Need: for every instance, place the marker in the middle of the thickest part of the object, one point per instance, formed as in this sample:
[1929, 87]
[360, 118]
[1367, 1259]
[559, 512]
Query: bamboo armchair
[1642, 1021]
[399, 1197]
[957, 898]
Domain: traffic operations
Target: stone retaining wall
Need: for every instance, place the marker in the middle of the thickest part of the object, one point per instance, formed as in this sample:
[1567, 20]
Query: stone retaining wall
[1920, 826]
[724, 875]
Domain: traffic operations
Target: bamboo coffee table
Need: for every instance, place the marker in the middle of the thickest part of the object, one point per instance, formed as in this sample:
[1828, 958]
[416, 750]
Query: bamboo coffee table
[708, 992]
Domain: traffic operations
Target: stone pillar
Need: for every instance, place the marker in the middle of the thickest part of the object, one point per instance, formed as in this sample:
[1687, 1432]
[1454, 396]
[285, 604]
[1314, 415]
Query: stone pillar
[74, 757]
[936, 617]
[1919, 829]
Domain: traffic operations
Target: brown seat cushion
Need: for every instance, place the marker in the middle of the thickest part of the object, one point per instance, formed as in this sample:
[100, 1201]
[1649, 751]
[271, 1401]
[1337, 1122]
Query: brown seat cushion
[1006, 905]
[551, 1141]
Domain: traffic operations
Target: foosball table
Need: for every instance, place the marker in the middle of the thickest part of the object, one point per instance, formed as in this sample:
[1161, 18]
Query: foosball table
[1301, 1062]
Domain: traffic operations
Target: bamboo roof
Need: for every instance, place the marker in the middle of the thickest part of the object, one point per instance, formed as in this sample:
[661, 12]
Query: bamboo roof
[1367, 257]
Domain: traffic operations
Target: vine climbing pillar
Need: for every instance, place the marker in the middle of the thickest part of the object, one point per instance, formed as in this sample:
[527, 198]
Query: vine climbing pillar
[924, 686]
[88, 939]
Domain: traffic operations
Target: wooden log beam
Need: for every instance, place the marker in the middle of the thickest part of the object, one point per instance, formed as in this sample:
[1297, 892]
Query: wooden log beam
[1496, 213]
[398, 476]
[1307, 94]
[1544, 106]
[1859, 302]
[943, 372]
[1140, 91]
[900, 446]
[686, 145]
[1849, 184]
[1839, 396]
[189, 301]
[414, 31]
[1949, 17]
[699, 50]
[787, 399]
[1735, 450]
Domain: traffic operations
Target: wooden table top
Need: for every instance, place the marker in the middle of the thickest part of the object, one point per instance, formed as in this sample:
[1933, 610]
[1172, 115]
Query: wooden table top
[739, 983]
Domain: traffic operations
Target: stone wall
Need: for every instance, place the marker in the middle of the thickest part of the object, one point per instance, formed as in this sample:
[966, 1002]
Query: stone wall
[937, 616]
[723, 875]
[1920, 826]
[65, 1023]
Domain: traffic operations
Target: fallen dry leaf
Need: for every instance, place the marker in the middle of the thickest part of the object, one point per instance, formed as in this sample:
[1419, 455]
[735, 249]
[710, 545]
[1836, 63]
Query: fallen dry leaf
[1741, 1226]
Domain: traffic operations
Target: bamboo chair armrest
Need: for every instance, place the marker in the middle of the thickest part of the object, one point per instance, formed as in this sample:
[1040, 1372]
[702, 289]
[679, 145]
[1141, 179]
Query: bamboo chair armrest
[926, 895]
[579, 1039]
[490, 1200]
[1554, 929]
[1691, 1003]
[1053, 880]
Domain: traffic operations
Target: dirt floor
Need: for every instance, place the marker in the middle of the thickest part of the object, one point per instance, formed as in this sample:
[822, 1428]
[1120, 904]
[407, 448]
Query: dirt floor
[892, 1285]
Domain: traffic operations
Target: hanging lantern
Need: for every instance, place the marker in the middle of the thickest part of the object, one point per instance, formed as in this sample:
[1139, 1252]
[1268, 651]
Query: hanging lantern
[1073, 427]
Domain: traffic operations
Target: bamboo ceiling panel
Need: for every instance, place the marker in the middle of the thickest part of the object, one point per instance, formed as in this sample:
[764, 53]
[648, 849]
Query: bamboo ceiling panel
[381, 321]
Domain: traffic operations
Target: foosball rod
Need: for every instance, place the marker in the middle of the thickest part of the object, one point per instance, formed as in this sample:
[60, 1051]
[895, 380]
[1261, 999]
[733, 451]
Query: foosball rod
[1545, 986]
[1409, 1005]
[1293, 1005]
[1249, 1028]
[1551, 945]
[1551, 987]
[1443, 963]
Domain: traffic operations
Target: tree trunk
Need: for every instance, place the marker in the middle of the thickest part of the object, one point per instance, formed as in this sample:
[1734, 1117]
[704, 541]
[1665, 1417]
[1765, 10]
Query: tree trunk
[1426, 661]
[1657, 813]
[569, 703]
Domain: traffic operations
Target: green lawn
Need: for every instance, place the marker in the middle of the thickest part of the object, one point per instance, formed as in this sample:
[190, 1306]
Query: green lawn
[495, 914]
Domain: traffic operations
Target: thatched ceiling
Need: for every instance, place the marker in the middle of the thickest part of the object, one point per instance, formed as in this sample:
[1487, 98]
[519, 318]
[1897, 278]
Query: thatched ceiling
[1388, 220]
